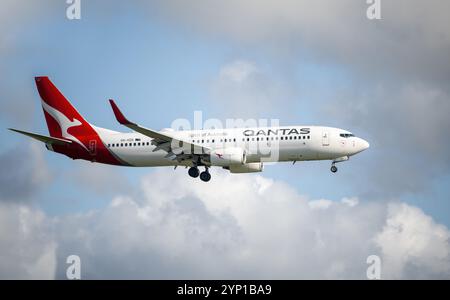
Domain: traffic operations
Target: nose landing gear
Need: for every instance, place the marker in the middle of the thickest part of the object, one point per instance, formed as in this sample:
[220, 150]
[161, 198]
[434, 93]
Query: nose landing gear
[333, 168]
[339, 159]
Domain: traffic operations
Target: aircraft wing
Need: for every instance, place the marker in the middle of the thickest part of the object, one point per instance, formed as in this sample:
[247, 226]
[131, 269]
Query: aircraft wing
[43, 138]
[176, 148]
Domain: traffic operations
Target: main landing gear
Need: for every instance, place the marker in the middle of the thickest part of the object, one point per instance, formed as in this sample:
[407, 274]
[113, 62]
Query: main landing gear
[204, 176]
[193, 172]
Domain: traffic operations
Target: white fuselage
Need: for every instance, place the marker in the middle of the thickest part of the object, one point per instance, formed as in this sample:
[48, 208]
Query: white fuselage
[262, 144]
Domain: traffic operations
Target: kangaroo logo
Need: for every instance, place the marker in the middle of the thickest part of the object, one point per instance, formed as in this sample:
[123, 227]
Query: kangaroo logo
[64, 123]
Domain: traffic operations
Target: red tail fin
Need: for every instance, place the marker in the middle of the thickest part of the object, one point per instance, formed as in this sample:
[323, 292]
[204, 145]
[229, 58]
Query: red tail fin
[64, 121]
[60, 115]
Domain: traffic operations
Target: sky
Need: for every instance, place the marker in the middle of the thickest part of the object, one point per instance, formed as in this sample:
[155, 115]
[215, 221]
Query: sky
[302, 62]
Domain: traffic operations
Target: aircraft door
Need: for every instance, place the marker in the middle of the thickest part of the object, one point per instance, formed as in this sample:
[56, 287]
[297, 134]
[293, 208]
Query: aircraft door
[325, 138]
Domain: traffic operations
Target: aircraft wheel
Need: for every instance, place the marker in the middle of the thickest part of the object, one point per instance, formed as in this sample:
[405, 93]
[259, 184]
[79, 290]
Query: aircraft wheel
[333, 169]
[205, 176]
[193, 172]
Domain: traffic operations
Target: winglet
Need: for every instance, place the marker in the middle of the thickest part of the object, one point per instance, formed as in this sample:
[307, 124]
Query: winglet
[119, 116]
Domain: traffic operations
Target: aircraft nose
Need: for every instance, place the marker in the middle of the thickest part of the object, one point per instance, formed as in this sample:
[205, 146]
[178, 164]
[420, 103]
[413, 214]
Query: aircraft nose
[364, 145]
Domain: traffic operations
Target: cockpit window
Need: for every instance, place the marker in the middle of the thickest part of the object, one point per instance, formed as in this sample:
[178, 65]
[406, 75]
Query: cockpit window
[346, 135]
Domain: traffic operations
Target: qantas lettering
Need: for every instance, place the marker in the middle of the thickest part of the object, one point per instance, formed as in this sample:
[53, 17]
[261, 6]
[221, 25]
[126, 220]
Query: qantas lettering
[284, 131]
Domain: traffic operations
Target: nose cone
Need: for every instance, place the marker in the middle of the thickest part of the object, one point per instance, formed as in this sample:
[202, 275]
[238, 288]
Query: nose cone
[364, 145]
[360, 145]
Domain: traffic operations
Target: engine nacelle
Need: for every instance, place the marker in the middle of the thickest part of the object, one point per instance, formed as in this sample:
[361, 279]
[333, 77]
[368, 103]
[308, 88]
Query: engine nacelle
[227, 157]
[246, 168]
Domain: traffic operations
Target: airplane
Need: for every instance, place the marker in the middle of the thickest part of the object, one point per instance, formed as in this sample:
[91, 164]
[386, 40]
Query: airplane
[239, 150]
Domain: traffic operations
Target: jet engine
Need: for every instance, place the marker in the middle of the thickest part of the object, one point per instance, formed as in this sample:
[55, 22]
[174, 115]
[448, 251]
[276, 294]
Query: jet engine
[227, 157]
[246, 168]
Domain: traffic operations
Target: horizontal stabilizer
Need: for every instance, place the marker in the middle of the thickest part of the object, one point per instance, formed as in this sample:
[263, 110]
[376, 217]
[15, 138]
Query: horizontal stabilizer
[43, 138]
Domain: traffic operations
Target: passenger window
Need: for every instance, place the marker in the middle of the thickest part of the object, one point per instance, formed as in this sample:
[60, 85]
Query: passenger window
[121, 145]
[308, 137]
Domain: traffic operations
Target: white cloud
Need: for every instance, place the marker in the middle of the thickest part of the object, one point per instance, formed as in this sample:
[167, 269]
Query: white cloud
[414, 119]
[413, 245]
[28, 250]
[352, 201]
[237, 71]
[320, 204]
[100, 178]
[327, 29]
[21, 177]
[241, 226]
[40, 173]
[242, 89]
[244, 226]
